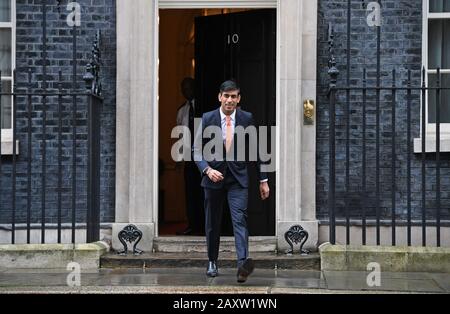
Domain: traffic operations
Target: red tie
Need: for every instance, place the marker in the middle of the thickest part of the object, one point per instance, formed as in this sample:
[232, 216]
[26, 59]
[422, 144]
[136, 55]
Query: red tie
[229, 134]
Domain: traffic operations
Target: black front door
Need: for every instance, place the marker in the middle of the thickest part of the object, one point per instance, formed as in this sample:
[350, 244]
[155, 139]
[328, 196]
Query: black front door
[241, 46]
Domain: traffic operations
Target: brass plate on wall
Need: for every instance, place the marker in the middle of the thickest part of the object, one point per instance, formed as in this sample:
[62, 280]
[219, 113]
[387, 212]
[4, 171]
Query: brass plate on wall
[308, 112]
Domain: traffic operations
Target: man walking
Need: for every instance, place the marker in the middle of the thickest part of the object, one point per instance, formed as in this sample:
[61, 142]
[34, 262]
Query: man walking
[227, 178]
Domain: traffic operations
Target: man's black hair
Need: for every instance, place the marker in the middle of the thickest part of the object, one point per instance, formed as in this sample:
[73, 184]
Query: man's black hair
[229, 86]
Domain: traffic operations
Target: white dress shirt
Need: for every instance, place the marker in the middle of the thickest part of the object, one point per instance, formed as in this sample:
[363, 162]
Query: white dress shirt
[183, 113]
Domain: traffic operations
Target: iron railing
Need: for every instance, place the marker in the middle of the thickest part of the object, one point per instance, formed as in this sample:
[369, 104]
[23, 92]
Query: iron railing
[53, 146]
[68, 149]
[380, 202]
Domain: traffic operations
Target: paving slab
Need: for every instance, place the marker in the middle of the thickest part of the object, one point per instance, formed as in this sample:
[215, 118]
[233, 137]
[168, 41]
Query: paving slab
[404, 275]
[443, 280]
[252, 281]
[191, 280]
[353, 280]
[49, 271]
[184, 280]
[33, 279]
[198, 260]
[326, 291]
[184, 290]
[121, 280]
[173, 271]
[147, 279]
[299, 274]
[384, 274]
[309, 283]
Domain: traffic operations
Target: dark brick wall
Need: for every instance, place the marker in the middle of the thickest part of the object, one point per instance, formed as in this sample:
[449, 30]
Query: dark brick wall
[401, 44]
[95, 15]
[401, 49]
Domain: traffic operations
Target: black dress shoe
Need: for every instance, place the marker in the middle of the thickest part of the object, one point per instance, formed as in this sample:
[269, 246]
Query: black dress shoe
[212, 270]
[187, 231]
[245, 270]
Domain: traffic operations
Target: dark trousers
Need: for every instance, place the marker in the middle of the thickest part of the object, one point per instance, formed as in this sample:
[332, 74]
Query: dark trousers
[194, 197]
[237, 197]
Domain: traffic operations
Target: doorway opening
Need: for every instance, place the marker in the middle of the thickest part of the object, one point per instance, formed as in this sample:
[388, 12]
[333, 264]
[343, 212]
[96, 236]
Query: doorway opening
[193, 43]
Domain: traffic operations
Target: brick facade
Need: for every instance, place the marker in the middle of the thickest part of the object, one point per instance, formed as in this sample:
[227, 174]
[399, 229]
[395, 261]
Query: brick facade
[401, 49]
[95, 15]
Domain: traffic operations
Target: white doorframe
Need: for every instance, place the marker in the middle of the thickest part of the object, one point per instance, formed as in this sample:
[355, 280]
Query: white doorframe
[207, 4]
[137, 114]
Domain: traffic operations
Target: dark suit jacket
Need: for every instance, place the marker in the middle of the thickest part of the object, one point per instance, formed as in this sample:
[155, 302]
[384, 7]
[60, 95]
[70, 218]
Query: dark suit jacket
[237, 168]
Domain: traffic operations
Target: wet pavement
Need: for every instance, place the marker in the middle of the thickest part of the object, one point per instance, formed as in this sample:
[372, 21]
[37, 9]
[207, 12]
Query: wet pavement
[194, 280]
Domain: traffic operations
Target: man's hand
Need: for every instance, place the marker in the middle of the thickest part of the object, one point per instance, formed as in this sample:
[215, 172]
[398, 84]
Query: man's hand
[214, 175]
[264, 190]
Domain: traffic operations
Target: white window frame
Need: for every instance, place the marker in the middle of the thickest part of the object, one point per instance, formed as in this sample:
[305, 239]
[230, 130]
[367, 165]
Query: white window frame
[431, 127]
[7, 133]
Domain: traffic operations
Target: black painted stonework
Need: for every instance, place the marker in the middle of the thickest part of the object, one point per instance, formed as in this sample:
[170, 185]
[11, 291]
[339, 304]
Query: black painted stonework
[95, 15]
[401, 46]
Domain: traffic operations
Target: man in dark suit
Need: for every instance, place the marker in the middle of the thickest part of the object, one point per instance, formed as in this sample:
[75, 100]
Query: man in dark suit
[193, 191]
[227, 178]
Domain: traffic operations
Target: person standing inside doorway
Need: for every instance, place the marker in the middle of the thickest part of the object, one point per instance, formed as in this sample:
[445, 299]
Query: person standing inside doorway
[193, 191]
[227, 178]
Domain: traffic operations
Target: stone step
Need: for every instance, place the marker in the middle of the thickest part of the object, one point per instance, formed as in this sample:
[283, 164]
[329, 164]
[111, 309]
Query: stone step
[185, 244]
[196, 259]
